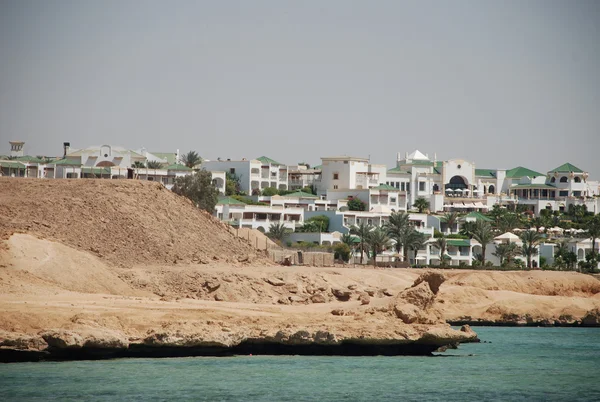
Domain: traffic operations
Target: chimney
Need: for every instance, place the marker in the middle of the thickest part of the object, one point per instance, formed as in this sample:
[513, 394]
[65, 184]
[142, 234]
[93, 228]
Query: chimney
[16, 148]
[66, 147]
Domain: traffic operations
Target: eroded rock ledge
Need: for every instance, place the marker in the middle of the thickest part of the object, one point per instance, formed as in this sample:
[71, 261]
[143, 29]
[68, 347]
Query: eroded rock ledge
[405, 326]
[69, 345]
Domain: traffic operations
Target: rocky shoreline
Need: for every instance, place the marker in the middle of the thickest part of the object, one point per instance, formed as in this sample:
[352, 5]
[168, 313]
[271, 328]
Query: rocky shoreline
[68, 345]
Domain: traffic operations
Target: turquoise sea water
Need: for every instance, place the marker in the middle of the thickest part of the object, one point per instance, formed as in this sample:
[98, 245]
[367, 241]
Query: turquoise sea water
[561, 364]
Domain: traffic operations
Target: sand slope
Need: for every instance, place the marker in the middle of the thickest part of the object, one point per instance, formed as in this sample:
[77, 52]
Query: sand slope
[125, 222]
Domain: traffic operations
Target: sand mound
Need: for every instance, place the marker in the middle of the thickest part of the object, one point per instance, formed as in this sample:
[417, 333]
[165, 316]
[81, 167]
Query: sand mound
[126, 222]
[38, 264]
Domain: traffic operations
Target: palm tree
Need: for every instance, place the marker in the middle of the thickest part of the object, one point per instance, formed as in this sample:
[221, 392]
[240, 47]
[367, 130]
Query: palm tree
[138, 165]
[191, 159]
[466, 229]
[378, 241]
[451, 219]
[441, 244]
[530, 239]
[396, 227]
[496, 213]
[421, 204]
[593, 229]
[154, 165]
[362, 231]
[508, 222]
[412, 240]
[506, 252]
[277, 231]
[482, 232]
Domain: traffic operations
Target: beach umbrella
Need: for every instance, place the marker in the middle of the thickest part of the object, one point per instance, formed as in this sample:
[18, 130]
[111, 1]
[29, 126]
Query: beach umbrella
[509, 237]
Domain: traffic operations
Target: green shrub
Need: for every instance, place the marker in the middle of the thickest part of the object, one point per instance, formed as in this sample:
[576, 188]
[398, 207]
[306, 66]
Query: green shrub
[341, 251]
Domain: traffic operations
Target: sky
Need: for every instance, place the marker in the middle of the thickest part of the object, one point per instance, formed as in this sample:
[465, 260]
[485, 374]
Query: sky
[499, 83]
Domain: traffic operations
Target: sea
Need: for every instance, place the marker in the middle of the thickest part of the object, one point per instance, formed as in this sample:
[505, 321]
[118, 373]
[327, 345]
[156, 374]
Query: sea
[510, 364]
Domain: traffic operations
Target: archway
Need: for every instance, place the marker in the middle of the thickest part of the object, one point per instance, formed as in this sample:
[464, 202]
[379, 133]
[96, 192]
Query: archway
[457, 182]
[492, 189]
[436, 188]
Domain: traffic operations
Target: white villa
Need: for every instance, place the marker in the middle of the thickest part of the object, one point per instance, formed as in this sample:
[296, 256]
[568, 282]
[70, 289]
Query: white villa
[253, 174]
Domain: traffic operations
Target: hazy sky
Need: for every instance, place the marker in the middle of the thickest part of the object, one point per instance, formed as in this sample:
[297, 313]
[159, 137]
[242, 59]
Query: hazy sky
[501, 83]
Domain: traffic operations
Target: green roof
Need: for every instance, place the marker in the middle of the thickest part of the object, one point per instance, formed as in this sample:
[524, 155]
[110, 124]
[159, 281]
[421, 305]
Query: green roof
[66, 162]
[268, 160]
[421, 162]
[385, 187]
[300, 194]
[12, 165]
[230, 201]
[397, 170]
[355, 239]
[545, 186]
[478, 216]
[170, 157]
[318, 167]
[95, 170]
[485, 172]
[179, 166]
[30, 159]
[567, 168]
[458, 242]
[520, 171]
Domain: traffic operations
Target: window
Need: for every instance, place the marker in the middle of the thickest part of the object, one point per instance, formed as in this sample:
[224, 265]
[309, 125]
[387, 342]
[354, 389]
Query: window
[577, 180]
[335, 186]
[397, 184]
[345, 162]
[553, 180]
[408, 187]
[393, 200]
[232, 170]
[564, 179]
[72, 176]
[336, 176]
[421, 186]
[563, 193]
[402, 186]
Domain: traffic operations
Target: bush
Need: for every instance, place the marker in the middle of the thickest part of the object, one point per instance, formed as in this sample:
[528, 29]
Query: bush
[356, 205]
[199, 189]
[322, 221]
[437, 234]
[456, 236]
[270, 191]
[341, 252]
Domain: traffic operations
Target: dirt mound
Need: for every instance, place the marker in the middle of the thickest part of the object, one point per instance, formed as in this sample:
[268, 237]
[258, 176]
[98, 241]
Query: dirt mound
[126, 222]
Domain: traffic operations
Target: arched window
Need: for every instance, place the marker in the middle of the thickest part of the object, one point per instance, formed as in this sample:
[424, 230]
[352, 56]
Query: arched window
[553, 180]
[491, 189]
[436, 187]
[457, 182]
[564, 179]
[577, 179]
